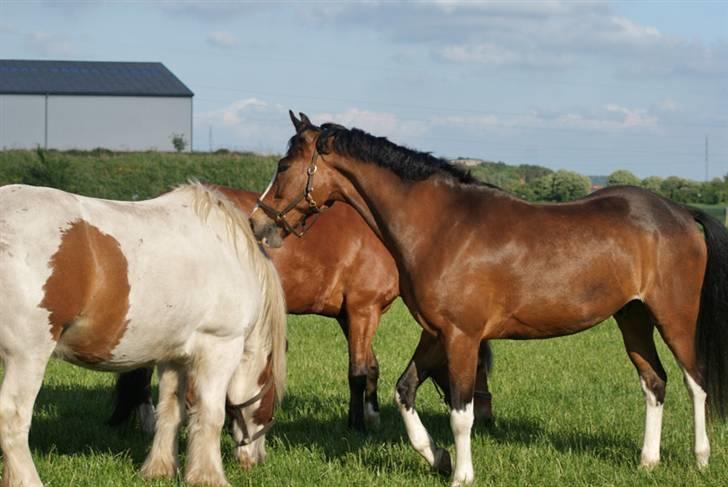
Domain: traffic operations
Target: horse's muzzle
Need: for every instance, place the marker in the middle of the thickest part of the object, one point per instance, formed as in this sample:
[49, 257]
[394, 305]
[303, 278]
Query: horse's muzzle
[266, 231]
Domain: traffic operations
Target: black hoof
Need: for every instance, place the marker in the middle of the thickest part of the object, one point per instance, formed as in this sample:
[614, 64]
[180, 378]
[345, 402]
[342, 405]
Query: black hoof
[442, 465]
[357, 425]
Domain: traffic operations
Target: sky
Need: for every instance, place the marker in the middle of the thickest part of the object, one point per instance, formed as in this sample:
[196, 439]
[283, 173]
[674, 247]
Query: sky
[590, 86]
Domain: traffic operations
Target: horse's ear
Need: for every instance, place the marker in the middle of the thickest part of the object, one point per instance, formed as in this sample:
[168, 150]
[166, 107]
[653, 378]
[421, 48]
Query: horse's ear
[305, 120]
[298, 124]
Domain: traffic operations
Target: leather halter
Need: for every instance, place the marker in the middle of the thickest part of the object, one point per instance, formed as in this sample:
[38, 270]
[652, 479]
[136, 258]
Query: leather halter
[236, 411]
[279, 217]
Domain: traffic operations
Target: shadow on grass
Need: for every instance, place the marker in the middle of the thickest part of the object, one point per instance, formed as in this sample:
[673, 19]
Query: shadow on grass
[72, 420]
[334, 440]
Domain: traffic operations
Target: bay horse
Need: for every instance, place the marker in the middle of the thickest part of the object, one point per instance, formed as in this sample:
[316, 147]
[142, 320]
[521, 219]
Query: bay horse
[178, 280]
[340, 270]
[477, 263]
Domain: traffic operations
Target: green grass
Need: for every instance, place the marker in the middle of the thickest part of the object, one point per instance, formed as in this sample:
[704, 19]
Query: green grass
[569, 412]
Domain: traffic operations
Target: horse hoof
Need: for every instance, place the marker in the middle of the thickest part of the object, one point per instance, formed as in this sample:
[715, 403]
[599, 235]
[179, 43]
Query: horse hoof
[158, 469]
[371, 418]
[702, 459]
[212, 480]
[649, 464]
[442, 464]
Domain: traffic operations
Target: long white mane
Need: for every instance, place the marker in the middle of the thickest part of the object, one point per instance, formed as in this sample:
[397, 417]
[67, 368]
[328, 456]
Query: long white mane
[206, 200]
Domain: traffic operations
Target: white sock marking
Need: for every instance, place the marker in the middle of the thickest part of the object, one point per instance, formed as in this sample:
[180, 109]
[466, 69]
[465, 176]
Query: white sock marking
[653, 429]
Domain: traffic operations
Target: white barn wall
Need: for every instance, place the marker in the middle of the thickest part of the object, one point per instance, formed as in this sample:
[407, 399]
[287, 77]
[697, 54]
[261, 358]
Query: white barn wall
[118, 122]
[88, 122]
[22, 121]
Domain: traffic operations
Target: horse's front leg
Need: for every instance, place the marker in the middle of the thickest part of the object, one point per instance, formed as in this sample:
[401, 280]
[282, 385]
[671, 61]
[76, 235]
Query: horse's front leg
[462, 355]
[428, 354]
[214, 363]
[20, 385]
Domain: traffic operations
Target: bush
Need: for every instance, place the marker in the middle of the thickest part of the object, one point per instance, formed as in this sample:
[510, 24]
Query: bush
[132, 175]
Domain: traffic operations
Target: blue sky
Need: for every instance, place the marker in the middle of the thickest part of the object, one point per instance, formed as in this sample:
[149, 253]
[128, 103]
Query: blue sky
[590, 86]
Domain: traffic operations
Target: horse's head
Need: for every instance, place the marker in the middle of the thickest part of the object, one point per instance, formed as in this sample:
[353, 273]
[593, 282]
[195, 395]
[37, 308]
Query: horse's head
[304, 184]
[251, 402]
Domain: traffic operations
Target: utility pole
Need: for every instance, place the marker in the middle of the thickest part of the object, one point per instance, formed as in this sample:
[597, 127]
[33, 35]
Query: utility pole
[706, 158]
[209, 137]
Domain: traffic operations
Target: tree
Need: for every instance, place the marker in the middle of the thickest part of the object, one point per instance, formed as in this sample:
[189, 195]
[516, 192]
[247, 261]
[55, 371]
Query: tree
[713, 192]
[569, 185]
[622, 176]
[653, 183]
[539, 189]
[681, 190]
[179, 142]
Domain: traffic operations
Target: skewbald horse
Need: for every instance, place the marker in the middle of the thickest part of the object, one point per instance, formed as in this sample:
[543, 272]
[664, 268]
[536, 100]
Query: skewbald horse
[477, 263]
[340, 270]
[178, 281]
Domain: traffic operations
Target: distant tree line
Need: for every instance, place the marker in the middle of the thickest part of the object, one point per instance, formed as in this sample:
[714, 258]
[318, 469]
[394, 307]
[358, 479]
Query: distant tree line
[534, 183]
[682, 190]
[537, 183]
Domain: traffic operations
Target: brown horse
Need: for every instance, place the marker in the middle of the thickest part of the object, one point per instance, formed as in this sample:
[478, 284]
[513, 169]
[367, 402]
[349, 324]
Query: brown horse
[340, 270]
[477, 263]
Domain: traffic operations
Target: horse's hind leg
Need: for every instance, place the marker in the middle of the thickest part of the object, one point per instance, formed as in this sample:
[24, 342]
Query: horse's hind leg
[161, 462]
[20, 386]
[359, 324]
[677, 325]
[637, 328]
[371, 401]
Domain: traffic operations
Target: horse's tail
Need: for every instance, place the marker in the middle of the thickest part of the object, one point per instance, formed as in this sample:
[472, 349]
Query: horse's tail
[132, 389]
[712, 330]
[273, 314]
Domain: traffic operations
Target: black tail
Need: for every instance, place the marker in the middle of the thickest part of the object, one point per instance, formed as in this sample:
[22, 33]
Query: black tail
[712, 333]
[132, 389]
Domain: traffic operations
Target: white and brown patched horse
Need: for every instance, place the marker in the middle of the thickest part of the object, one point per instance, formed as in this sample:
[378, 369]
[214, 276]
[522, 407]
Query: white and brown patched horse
[178, 281]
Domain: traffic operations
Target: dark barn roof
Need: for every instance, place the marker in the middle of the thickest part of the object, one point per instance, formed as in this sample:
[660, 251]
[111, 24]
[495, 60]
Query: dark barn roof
[88, 78]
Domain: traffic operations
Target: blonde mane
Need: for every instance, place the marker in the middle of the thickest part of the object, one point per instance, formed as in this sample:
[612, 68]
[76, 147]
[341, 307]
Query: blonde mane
[273, 312]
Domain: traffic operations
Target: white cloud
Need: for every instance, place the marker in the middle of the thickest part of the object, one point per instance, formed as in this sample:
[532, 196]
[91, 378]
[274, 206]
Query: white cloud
[47, 44]
[532, 34]
[211, 11]
[611, 118]
[379, 123]
[222, 39]
[247, 124]
[633, 118]
[495, 55]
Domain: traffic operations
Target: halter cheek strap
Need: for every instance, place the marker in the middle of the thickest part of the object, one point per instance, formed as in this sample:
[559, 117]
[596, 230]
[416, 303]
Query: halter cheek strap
[280, 216]
[236, 411]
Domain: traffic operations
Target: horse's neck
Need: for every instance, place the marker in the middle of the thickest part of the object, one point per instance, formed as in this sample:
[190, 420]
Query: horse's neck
[405, 215]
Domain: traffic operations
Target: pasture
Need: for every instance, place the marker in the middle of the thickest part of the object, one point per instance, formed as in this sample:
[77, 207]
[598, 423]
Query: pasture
[569, 412]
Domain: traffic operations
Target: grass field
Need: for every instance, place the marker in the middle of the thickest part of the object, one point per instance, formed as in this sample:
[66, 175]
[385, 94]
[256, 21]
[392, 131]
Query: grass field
[569, 412]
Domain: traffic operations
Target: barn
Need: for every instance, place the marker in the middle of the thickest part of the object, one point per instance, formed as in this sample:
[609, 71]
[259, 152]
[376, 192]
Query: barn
[84, 105]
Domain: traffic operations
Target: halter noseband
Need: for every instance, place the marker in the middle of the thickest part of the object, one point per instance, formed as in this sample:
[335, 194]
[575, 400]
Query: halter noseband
[236, 411]
[279, 217]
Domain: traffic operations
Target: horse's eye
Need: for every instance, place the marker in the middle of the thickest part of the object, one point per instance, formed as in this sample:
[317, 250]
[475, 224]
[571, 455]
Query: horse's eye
[283, 167]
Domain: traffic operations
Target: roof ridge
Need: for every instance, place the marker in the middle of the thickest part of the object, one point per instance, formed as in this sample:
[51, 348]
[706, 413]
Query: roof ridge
[100, 78]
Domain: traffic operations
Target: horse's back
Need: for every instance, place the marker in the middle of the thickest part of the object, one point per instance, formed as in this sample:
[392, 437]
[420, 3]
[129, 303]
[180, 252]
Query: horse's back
[117, 284]
[549, 269]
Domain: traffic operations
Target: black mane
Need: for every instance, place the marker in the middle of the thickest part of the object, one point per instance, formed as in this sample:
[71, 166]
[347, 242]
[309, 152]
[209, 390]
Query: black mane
[408, 164]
